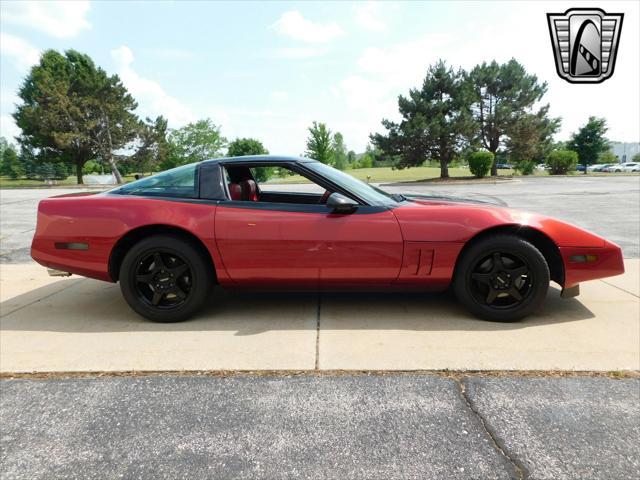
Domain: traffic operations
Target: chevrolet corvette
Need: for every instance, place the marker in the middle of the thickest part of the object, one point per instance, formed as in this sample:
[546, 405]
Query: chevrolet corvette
[168, 239]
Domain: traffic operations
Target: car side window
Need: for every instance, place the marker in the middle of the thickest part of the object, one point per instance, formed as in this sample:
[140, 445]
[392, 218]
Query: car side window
[177, 182]
[276, 183]
[283, 179]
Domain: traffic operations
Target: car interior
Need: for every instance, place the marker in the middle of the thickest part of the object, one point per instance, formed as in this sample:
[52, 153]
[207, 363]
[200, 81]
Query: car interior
[243, 187]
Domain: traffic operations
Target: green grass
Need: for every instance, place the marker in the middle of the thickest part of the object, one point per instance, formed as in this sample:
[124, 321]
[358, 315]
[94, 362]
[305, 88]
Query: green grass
[386, 174]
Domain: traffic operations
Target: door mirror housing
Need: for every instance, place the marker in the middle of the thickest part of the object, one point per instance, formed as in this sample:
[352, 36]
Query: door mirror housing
[341, 204]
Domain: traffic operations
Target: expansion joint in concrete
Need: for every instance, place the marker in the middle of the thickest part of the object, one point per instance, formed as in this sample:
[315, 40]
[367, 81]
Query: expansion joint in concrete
[317, 362]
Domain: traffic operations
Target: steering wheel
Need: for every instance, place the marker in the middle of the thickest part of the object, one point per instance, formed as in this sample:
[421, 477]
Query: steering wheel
[324, 197]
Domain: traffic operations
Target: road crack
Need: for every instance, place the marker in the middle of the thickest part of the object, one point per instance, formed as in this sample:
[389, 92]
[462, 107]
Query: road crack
[520, 470]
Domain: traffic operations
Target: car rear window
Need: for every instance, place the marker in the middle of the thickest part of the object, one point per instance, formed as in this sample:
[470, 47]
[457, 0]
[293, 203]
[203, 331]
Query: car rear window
[177, 182]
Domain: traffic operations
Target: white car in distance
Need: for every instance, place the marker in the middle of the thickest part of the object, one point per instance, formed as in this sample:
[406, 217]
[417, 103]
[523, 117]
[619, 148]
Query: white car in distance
[623, 167]
[631, 167]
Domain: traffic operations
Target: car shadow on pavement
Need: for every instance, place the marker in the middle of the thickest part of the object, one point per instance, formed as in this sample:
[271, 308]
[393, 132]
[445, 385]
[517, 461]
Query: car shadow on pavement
[81, 305]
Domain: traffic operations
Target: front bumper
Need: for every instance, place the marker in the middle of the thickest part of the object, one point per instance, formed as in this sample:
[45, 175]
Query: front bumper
[602, 262]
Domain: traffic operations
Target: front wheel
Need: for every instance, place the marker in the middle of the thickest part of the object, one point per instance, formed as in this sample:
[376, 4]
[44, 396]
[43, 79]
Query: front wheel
[502, 278]
[165, 278]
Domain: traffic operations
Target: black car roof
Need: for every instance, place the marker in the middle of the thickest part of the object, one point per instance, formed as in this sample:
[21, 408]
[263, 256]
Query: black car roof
[260, 159]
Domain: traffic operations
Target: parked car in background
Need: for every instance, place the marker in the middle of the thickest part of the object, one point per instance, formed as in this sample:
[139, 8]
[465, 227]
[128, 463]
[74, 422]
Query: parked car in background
[600, 167]
[542, 167]
[504, 166]
[623, 167]
[580, 168]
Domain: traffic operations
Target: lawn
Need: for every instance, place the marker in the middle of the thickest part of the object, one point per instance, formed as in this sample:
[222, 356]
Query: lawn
[386, 174]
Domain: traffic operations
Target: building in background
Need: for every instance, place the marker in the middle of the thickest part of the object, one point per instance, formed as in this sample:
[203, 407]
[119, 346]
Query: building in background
[625, 150]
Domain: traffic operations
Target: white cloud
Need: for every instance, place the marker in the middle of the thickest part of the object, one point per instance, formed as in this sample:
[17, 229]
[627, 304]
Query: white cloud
[293, 24]
[371, 93]
[22, 53]
[368, 16]
[151, 97]
[62, 19]
[405, 63]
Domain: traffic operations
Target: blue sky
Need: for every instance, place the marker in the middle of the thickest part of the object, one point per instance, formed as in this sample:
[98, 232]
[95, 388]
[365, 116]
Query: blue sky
[268, 69]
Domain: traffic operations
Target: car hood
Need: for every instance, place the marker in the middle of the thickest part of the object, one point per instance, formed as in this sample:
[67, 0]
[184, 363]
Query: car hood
[453, 219]
[473, 198]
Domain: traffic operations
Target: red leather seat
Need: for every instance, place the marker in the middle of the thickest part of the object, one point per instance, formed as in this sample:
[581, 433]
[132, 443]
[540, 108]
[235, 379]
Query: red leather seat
[249, 190]
[235, 190]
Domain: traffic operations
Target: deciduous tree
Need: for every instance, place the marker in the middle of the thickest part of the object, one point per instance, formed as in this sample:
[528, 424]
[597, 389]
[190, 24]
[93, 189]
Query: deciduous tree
[10, 165]
[73, 110]
[250, 146]
[246, 146]
[195, 142]
[340, 155]
[320, 143]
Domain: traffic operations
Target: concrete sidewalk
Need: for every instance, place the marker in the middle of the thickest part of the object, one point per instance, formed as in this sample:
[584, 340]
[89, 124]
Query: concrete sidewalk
[77, 324]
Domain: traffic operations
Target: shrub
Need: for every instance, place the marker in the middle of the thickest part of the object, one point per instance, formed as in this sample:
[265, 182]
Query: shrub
[365, 161]
[480, 163]
[562, 161]
[525, 167]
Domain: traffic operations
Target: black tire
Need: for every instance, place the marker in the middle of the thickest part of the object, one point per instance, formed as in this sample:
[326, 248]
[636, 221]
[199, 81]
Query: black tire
[165, 278]
[501, 278]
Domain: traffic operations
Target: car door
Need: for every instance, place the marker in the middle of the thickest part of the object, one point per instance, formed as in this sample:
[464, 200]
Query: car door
[301, 245]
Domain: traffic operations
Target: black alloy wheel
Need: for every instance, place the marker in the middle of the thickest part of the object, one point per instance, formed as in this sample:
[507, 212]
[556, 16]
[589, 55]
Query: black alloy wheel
[163, 279]
[501, 278]
[166, 278]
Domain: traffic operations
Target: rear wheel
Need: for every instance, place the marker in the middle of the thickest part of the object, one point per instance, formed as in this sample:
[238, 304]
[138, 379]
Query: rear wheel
[165, 278]
[502, 278]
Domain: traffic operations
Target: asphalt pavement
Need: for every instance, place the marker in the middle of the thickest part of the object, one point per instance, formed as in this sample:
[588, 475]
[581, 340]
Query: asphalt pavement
[327, 424]
[402, 426]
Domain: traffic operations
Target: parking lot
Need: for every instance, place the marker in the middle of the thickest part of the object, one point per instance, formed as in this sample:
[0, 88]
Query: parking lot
[75, 324]
[607, 205]
[303, 407]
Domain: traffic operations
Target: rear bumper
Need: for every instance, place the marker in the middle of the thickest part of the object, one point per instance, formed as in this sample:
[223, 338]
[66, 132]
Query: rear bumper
[589, 263]
[87, 263]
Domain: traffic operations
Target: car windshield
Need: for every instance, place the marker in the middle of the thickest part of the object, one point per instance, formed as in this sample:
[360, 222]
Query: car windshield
[177, 182]
[370, 194]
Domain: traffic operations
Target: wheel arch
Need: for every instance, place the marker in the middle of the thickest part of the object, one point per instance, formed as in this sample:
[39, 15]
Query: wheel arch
[133, 236]
[537, 238]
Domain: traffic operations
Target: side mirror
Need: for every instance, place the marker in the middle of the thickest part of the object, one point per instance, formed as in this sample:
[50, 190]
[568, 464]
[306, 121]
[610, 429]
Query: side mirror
[341, 204]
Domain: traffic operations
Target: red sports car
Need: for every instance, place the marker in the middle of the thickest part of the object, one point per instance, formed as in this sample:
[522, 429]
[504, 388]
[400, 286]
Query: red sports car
[170, 237]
